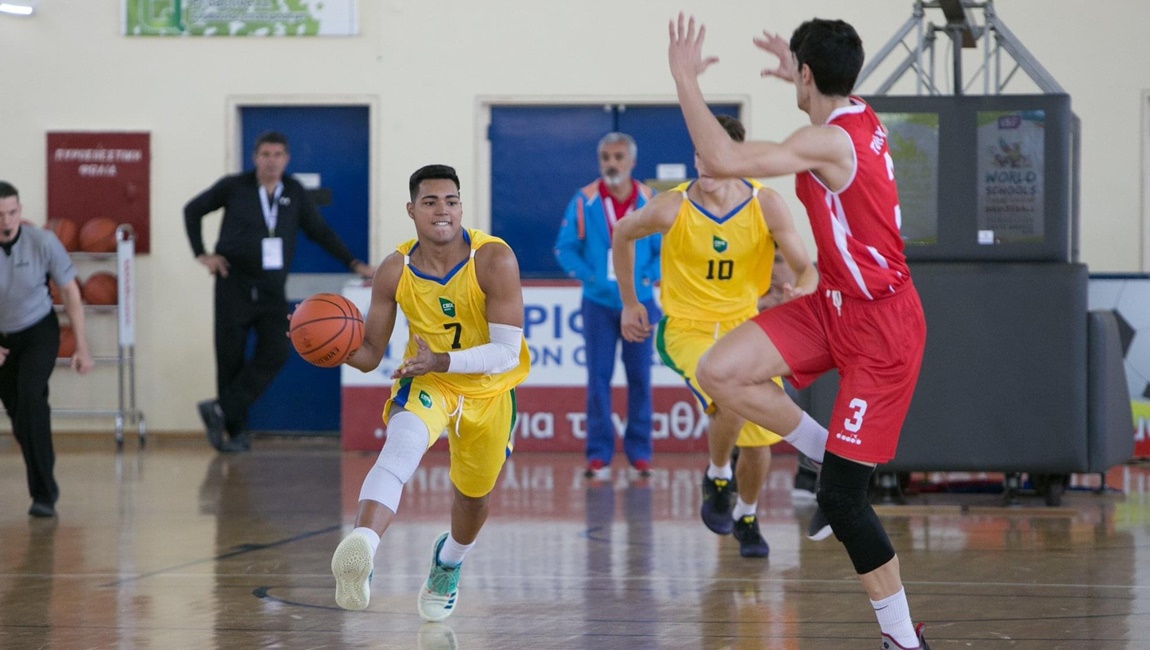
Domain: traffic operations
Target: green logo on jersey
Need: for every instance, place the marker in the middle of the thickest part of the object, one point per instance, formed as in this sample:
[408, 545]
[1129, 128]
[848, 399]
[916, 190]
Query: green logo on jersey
[425, 399]
[448, 307]
[718, 243]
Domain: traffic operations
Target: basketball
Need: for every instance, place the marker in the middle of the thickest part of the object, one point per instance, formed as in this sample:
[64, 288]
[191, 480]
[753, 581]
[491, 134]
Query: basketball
[326, 329]
[100, 289]
[54, 291]
[66, 232]
[67, 342]
[98, 236]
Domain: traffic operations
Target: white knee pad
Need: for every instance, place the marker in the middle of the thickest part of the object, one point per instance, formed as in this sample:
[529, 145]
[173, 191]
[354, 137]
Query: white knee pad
[407, 439]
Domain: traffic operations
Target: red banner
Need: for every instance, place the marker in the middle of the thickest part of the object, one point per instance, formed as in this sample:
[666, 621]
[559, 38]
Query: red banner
[101, 175]
[550, 418]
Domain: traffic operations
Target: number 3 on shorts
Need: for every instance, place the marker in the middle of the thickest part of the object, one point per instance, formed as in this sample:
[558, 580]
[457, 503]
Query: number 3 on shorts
[854, 422]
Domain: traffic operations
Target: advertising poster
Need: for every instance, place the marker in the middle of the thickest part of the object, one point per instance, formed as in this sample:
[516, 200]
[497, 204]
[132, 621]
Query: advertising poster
[912, 139]
[101, 175]
[1011, 190]
[239, 18]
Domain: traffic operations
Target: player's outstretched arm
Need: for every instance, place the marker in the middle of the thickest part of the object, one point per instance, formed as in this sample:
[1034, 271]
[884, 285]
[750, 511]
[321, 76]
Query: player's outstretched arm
[381, 314]
[811, 148]
[655, 217]
[782, 226]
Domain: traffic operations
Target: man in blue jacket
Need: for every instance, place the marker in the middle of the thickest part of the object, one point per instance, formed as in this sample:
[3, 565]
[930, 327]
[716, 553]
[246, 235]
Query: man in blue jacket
[583, 249]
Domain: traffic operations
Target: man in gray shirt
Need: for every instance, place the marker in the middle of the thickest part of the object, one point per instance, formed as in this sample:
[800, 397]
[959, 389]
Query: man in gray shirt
[30, 340]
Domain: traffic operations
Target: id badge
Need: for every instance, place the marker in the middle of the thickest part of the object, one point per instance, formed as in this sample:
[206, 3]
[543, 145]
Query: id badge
[611, 266]
[273, 253]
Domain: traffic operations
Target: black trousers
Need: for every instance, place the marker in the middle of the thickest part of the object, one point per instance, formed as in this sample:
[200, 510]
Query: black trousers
[24, 391]
[242, 309]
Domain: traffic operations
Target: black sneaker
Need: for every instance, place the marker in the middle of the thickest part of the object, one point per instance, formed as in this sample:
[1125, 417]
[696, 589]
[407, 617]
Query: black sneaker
[237, 444]
[806, 482]
[719, 496]
[213, 417]
[42, 510]
[818, 528]
[751, 542]
[890, 644]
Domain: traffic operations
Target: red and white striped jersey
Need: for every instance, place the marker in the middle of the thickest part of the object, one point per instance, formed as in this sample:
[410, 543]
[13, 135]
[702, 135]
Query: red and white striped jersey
[860, 248]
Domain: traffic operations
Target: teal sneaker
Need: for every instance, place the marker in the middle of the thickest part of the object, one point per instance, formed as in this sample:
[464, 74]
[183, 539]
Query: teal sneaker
[439, 594]
[353, 565]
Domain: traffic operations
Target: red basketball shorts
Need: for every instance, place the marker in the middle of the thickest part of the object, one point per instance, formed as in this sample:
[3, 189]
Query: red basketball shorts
[877, 347]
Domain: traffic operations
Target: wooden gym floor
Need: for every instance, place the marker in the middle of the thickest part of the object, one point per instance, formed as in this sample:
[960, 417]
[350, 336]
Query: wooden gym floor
[175, 546]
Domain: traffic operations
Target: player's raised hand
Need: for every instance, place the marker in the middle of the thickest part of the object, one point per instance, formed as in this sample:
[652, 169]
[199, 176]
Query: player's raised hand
[780, 47]
[685, 53]
[634, 323]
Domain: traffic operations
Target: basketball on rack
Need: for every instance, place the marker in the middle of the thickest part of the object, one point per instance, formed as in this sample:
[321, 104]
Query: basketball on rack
[98, 236]
[326, 329]
[67, 342]
[66, 232]
[100, 289]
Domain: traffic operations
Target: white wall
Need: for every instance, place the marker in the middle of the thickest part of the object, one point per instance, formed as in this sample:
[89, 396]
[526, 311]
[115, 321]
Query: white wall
[431, 65]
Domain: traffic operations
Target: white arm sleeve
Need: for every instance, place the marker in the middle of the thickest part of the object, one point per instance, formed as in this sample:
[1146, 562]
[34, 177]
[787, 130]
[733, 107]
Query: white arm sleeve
[500, 355]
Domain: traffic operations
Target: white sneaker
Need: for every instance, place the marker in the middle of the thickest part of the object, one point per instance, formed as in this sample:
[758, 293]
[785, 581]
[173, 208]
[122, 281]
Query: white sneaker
[352, 565]
[439, 594]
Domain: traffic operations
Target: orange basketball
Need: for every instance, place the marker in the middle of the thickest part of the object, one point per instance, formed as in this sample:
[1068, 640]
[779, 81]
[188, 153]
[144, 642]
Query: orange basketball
[326, 329]
[98, 236]
[66, 232]
[54, 291]
[100, 289]
[67, 342]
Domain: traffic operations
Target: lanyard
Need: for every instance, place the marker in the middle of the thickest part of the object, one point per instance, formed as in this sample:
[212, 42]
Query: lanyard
[609, 210]
[272, 211]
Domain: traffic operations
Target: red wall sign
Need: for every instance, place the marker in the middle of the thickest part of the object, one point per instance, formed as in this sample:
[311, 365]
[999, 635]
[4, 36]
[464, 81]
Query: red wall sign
[93, 174]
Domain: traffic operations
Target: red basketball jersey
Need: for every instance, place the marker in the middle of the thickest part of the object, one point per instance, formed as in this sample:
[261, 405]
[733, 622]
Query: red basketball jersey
[860, 249]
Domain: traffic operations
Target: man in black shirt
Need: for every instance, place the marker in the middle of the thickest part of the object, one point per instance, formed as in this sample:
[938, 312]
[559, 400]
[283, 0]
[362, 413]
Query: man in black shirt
[264, 210]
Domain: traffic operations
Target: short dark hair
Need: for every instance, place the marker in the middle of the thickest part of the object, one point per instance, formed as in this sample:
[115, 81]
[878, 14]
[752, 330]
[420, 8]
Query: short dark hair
[734, 127]
[271, 137]
[833, 51]
[431, 172]
[7, 190]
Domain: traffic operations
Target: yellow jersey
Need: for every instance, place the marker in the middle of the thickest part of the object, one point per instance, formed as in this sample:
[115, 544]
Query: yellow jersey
[450, 313]
[715, 267]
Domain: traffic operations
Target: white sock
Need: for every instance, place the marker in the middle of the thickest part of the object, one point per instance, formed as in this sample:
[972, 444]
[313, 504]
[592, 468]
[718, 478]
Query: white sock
[809, 437]
[742, 509]
[893, 614]
[452, 552]
[720, 471]
[371, 535]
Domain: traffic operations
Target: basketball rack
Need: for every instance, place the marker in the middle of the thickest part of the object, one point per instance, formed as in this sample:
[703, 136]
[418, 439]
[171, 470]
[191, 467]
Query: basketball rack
[126, 413]
[999, 46]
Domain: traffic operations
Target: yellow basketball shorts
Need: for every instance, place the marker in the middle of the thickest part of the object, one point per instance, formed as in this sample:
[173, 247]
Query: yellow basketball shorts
[681, 343]
[480, 431]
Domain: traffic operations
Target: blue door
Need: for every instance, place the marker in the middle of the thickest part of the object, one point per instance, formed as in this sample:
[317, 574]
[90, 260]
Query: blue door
[333, 142]
[540, 155]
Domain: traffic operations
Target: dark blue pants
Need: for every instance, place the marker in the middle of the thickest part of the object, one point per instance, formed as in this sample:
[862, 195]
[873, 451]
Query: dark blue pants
[603, 336]
[24, 392]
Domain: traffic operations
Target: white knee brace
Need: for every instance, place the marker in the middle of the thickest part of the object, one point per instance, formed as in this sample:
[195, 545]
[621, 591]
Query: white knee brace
[407, 441]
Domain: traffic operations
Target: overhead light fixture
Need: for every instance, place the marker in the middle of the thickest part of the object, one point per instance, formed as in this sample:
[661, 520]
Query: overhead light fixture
[18, 7]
